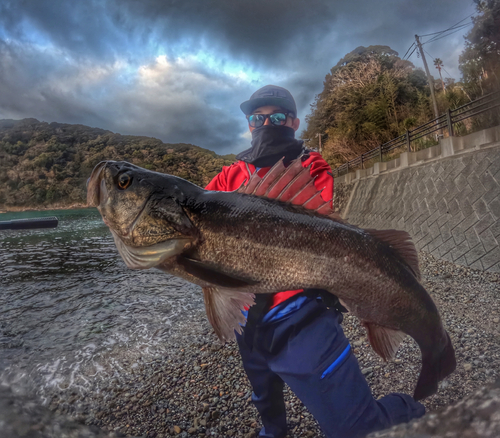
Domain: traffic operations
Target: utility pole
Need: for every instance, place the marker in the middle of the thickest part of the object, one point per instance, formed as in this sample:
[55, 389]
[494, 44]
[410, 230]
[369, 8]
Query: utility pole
[429, 77]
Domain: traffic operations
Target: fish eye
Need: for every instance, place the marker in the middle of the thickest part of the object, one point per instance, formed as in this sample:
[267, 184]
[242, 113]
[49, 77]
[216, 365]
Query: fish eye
[124, 181]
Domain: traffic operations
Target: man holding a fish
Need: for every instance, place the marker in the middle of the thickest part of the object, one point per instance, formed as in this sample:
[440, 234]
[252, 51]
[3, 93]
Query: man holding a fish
[266, 238]
[295, 337]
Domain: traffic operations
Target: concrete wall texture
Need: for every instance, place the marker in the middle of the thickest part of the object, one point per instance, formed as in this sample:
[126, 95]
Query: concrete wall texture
[447, 197]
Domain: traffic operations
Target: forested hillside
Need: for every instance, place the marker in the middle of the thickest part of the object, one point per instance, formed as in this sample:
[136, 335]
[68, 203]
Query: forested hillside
[44, 165]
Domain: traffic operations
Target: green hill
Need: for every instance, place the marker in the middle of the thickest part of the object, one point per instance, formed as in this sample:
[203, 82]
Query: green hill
[44, 165]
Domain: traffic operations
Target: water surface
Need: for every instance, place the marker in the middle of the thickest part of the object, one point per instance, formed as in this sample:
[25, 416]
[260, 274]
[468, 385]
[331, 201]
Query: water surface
[71, 312]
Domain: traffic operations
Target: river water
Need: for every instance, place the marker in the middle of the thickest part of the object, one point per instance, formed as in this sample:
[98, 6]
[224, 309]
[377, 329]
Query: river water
[72, 313]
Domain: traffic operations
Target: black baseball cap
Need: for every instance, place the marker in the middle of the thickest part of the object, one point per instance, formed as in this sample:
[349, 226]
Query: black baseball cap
[269, 95]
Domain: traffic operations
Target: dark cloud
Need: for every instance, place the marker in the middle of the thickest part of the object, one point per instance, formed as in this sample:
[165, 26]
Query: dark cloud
[166, 100]
[98, 62]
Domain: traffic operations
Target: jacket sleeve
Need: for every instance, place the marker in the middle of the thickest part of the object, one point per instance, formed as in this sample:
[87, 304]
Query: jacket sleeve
[219, 182]
[323, 173]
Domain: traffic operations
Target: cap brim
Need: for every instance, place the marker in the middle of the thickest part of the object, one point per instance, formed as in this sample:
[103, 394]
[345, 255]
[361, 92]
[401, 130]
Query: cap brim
[251, 105]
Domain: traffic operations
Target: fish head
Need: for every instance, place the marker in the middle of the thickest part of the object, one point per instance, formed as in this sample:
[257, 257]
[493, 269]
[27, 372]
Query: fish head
[142, 210]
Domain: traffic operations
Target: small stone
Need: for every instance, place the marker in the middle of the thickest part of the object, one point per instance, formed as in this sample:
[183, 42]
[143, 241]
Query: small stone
[215, 415]
[467, 366]
[177, 429]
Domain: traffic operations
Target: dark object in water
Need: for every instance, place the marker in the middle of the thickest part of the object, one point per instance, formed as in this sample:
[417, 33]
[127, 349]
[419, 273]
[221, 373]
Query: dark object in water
[29, 224]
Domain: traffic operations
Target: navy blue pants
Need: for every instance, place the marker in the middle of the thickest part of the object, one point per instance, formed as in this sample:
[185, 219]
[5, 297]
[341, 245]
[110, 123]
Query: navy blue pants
[305, 347]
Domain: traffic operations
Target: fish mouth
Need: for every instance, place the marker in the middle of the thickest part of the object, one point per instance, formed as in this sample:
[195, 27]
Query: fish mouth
[145, 257]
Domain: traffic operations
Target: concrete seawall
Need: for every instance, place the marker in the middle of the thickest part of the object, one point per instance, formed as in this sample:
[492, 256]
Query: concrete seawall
[447, 197]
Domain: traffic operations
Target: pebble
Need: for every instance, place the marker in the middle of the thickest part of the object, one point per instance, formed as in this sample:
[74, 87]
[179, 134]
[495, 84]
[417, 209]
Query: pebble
[200, 388]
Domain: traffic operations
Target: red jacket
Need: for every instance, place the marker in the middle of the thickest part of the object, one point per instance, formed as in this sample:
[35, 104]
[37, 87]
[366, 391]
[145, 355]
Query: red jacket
[232, 177]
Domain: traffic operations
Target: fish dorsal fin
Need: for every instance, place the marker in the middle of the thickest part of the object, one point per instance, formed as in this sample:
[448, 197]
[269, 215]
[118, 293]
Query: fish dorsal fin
[224, 310]
[270, 177]
[293, 184]
[314, 202]
[384, 341]
[402, 244]
[278, 188]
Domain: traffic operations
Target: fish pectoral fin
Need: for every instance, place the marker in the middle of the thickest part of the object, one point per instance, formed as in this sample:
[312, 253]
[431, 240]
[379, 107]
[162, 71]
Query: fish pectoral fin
[224, 310]
[212, 275]
[384, 341]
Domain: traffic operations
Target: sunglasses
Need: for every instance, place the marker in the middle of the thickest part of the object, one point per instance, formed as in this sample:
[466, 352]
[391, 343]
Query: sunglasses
[277, 119]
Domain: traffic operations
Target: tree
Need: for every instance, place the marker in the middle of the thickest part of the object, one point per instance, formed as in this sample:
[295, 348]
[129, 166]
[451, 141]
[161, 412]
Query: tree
[480, 60]
[369, 97]
[439, 65]
[48, 164]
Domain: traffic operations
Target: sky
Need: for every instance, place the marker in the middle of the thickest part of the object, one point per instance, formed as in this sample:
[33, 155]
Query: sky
[178, 70]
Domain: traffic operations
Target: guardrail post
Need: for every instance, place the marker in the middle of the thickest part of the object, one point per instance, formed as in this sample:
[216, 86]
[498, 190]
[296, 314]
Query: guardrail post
[347, 168]
[408, 141]
[380, 152]
[450, 123]
[362, 164]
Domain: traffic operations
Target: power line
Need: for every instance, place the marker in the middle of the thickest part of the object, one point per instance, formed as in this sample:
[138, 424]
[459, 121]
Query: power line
[429, 54]
[447, 72]
[412, 52]
[442, 36]
[451, 27]
[408, 50]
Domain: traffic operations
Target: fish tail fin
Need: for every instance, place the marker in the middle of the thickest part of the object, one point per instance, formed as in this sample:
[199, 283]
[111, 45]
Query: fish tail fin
[435, 367]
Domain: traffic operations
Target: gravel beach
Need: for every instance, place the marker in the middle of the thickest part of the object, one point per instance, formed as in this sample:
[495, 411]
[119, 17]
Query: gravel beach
[200, 389]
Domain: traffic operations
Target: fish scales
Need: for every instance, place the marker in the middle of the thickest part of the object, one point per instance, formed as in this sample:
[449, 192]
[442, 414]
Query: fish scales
[235, 245]
[281, 240]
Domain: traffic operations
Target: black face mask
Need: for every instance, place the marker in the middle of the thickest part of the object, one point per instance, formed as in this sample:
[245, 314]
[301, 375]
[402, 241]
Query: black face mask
[270, 144]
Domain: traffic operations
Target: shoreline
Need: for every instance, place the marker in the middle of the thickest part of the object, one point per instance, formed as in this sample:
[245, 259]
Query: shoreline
[20, 209]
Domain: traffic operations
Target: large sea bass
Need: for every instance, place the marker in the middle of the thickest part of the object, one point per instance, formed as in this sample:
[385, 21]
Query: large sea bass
[237, 244]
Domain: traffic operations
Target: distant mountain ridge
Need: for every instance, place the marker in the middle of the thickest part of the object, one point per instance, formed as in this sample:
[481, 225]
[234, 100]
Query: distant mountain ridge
[44, 165]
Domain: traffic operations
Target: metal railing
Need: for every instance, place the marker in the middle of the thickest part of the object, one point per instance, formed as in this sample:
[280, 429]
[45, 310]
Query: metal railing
[445, 121]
